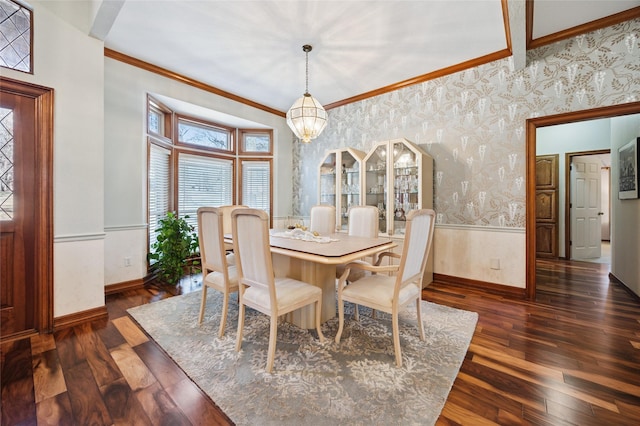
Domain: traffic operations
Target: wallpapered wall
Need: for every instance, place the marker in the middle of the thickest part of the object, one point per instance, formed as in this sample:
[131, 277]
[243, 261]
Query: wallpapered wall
[473, 122]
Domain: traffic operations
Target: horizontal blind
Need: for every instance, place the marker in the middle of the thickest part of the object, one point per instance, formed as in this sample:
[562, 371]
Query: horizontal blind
[159, 187]
[203, 181]
[256, 184]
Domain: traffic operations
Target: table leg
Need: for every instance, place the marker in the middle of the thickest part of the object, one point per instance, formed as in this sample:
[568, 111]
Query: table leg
[320, 275]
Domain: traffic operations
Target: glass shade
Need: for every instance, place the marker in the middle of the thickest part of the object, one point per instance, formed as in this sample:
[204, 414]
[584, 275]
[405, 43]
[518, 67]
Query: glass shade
[307, 118]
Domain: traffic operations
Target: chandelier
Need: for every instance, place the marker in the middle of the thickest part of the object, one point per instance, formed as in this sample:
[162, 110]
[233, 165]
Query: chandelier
[306, 117]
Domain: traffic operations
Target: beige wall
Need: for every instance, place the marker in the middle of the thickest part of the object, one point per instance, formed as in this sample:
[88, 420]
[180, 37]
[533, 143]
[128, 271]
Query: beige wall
[72, 63]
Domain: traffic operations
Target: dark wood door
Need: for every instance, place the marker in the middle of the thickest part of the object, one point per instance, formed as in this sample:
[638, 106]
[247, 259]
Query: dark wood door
[17, 213]
[26, 218]
[547, 205]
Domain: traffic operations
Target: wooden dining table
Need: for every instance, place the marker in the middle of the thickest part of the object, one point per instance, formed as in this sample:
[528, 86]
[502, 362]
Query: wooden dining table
[315, 263]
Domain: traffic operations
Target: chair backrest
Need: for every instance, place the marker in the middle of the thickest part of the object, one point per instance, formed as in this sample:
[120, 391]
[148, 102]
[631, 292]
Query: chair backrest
[417, 243]
[252, 249]
[363, 221]
[226, 216]
[211, 239]
[323, 219]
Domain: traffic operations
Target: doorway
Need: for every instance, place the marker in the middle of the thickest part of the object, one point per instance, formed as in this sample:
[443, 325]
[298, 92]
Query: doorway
[26, 225]
[532, 127]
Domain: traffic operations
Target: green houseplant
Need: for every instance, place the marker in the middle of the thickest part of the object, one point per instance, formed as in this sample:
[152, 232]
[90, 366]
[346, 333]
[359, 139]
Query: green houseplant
[175, 249]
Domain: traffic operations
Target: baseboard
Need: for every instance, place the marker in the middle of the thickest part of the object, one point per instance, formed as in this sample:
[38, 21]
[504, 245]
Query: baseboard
[619, 281]
[77, 318]
[493, 288]
[124, 286]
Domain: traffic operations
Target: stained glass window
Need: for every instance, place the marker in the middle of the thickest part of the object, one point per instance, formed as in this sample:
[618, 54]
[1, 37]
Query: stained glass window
[15, 36]
[6, 164]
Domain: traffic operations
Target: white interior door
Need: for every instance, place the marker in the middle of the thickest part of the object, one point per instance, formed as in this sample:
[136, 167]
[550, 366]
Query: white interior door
[586, 213]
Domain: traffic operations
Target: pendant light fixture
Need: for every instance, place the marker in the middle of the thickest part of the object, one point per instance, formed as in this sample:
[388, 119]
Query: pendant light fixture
[306, 117]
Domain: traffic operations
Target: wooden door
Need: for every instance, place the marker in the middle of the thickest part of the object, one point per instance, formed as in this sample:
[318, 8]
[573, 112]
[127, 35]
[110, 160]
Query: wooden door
[586, 208]
[25, 209]
[547, 205]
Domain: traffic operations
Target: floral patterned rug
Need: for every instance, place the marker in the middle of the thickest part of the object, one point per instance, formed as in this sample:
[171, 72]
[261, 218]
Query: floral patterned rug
[355, 382]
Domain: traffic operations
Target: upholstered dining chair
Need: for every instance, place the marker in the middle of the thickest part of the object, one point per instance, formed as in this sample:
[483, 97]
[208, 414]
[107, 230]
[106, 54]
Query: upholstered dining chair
[259, 288]
[216, 271]
[363, 222]
[391, 293]
[323, 219]
[226, 228]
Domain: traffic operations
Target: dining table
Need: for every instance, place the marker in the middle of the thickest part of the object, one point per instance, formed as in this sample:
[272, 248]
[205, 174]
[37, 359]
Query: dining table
[313, 259]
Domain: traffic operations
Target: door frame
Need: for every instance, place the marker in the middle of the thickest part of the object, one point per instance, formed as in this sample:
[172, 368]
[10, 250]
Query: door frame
[530, 200]
[43, 253]
[567, 190]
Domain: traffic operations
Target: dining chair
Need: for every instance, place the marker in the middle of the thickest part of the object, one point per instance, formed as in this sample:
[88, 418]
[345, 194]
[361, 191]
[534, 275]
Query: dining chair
[259, 288]
[216, 271]
[363, 222]
[323, 219]
[391, 293]
[226, 228]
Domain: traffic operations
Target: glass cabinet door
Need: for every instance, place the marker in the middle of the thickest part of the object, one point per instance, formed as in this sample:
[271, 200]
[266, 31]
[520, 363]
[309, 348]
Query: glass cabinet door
[349, 186]
[328, 180]
[406, 184]
[376, 183]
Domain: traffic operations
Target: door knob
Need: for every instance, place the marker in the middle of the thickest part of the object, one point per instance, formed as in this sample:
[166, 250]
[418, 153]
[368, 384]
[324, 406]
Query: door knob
[600, 213]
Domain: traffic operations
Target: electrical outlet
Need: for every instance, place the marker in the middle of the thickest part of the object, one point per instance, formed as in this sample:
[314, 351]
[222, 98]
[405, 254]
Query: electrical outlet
[127, 261]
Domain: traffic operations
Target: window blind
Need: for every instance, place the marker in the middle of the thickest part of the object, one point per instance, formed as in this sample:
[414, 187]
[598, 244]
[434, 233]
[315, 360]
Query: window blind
[159, 187]
[256, 176]
[203, 181]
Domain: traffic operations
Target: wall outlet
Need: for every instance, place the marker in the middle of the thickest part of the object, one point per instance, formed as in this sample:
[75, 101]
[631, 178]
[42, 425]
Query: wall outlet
[495, 264]
[127, 261]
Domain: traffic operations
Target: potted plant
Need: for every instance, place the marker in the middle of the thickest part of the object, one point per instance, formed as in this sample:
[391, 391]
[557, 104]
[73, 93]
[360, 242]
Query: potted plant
[175, 250]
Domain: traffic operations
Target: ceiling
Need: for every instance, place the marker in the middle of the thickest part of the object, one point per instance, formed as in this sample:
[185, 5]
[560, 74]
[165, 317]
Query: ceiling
[253, 49]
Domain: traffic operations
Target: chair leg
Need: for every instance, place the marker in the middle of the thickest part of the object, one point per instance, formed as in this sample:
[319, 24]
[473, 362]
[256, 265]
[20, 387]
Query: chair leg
[340, 320]
[272, 343]
[203, 302]
[318, 320]
[419, 312]
[356, 314]
[373, 314]
[240, 327]
[396, 339]
[223, 319]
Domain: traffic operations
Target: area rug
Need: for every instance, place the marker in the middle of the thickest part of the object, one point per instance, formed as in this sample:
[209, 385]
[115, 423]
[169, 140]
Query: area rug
[355, 382]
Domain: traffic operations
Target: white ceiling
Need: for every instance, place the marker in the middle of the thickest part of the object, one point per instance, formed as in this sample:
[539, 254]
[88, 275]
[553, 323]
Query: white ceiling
[253, 49]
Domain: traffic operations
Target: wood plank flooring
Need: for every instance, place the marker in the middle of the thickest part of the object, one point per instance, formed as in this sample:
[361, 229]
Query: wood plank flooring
[571, 357]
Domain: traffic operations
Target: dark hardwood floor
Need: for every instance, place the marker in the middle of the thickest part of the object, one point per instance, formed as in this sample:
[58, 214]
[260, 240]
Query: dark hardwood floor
[572, 357]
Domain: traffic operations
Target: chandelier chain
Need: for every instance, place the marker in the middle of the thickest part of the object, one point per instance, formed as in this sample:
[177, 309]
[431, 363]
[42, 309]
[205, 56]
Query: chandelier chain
[306, 90]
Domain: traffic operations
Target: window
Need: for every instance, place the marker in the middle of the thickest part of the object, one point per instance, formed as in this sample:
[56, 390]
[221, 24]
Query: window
[16, 28]
[204, 135]
[159, 186]
[256, 188]
[203, 181]
[195, 165]
[256, 142]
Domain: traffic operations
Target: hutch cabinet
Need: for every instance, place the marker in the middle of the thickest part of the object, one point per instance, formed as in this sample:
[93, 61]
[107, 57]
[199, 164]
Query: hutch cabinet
[340, 182]
[398, 179]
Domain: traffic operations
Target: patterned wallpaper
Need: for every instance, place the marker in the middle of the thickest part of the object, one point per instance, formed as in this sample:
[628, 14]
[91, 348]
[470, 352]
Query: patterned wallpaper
[473, 122]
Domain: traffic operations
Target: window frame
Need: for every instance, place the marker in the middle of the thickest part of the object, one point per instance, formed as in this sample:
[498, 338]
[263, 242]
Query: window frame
[245, 132]
[167, 119]
[169, 141]
[200, 122]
